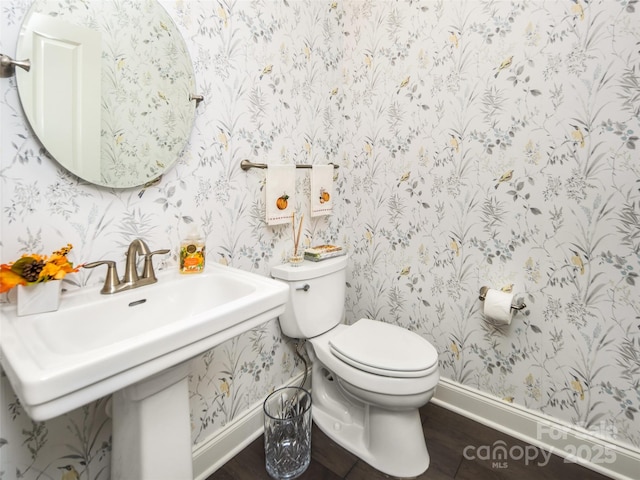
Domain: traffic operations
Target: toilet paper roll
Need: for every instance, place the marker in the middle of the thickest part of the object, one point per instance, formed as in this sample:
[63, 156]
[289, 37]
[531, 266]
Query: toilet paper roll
[497, 307]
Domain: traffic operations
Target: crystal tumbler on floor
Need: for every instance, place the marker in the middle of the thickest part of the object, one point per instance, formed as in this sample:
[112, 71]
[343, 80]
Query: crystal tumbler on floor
[287, 432]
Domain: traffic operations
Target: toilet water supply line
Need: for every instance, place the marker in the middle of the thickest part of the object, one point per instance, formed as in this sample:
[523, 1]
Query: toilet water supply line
[304, 361]
[289, 406]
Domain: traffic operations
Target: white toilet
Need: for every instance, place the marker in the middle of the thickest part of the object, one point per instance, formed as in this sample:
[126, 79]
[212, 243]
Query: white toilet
[368, 379]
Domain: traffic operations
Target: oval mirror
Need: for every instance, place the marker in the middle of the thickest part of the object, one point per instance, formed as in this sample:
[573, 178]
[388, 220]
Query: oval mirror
[109, 89]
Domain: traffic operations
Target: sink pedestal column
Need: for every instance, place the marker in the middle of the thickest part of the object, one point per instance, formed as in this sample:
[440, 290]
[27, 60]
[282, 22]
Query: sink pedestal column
[152, 428]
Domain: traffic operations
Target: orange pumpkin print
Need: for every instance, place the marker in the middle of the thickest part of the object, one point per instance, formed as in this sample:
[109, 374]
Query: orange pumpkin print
[324, 196]
[282, 202]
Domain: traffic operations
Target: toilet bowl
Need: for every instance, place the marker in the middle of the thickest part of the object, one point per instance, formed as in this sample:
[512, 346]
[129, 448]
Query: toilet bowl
[368, 379]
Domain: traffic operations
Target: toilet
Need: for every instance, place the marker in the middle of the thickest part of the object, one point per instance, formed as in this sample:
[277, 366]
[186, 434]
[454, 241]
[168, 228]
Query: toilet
[368, 379]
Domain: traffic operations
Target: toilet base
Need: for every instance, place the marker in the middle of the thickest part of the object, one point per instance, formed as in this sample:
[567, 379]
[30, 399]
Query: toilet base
[400, 451]
[391, 441]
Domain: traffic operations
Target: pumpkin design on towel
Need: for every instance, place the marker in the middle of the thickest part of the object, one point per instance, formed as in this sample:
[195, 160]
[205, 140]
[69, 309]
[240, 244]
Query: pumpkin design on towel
[324, 196]
[282, 202]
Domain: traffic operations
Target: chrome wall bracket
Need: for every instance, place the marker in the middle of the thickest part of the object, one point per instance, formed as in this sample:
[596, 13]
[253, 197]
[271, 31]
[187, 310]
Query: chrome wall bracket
[197, 98]
[8, 65]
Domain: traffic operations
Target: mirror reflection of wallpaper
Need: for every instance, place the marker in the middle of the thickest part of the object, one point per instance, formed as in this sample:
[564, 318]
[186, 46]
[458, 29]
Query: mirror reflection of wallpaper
[478, 142]
[147, 78]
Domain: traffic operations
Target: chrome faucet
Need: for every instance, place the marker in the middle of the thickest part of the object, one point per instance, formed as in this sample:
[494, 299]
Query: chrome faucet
[131, 277]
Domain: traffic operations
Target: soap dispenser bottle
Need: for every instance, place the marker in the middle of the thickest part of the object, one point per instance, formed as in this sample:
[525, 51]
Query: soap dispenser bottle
[192, 253]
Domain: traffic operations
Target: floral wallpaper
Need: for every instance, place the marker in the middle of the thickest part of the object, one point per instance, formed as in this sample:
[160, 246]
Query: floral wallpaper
[479, 143]
[494, 143]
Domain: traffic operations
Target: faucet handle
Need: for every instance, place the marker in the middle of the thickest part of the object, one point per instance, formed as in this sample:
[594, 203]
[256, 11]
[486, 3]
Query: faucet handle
[111, 281]
[148, 274]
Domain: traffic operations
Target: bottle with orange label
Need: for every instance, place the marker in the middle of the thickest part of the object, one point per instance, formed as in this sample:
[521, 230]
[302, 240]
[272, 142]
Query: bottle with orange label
[192, 253]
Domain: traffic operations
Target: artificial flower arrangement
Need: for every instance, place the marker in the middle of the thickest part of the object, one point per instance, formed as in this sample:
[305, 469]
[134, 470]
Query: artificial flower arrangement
[34, 268]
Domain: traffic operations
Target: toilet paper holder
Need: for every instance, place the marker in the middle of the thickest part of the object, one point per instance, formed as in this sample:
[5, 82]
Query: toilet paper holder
[483, 295]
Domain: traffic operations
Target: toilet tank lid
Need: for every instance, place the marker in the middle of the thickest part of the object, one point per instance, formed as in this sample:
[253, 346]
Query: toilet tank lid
[308, 269]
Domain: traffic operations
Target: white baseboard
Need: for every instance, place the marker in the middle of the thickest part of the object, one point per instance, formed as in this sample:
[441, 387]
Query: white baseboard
[223, 445]
[575, 445]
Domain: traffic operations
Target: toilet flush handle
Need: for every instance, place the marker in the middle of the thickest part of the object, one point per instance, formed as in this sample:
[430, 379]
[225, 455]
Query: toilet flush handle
[305, 287]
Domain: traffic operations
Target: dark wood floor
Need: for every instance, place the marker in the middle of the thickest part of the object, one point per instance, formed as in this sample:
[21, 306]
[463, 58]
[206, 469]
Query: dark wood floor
[447, 436]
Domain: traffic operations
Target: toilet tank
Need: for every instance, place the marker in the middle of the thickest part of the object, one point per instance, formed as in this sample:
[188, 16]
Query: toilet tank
[316, 296]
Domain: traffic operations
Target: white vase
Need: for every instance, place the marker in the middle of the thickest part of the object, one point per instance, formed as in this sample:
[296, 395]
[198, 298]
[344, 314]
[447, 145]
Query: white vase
[39, 298]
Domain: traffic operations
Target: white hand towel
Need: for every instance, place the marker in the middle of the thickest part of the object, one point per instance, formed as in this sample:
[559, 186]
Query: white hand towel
[280, 192]
[321, 190]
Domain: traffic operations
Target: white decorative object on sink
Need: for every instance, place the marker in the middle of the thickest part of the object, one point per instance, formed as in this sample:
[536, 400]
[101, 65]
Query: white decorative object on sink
[134, 343]
[38, 298]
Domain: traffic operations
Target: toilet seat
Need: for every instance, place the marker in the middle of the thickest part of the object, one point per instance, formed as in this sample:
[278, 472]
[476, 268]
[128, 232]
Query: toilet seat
[384, 349]
[389, 382]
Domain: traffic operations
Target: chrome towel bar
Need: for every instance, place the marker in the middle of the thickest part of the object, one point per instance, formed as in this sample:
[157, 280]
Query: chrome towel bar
[246, 165]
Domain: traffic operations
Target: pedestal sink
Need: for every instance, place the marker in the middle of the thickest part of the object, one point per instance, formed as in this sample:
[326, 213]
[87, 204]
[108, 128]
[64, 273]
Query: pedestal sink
[135, 344]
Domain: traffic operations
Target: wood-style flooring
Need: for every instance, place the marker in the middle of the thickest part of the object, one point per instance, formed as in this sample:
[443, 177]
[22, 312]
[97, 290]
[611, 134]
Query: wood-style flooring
[447, 435]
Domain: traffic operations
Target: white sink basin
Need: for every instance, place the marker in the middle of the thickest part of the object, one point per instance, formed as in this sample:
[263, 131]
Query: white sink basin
[97, 344]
